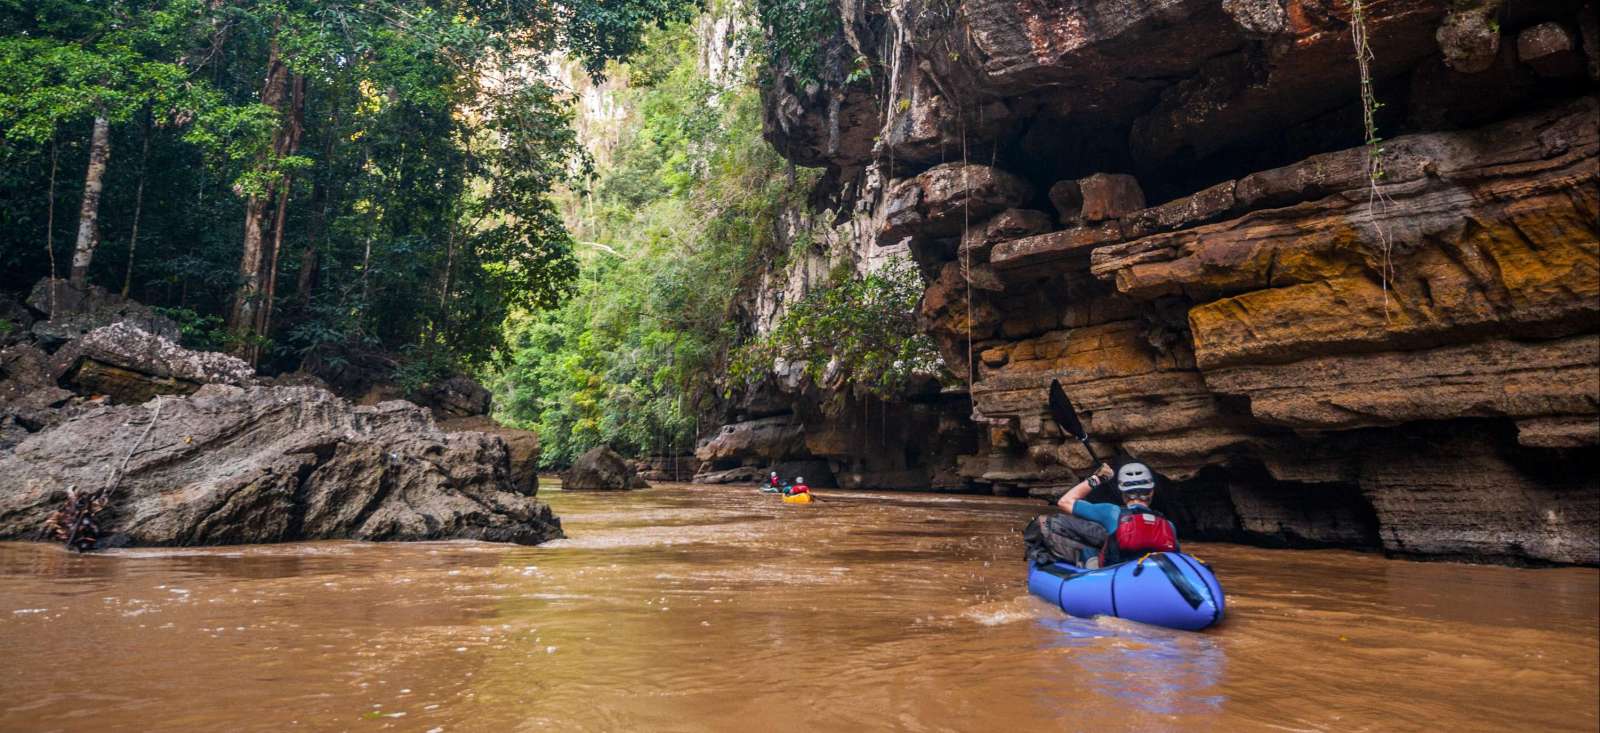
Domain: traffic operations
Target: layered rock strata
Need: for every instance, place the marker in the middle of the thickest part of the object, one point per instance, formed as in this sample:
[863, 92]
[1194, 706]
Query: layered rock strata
[189, 447]
[1167, 206]
[232, 465]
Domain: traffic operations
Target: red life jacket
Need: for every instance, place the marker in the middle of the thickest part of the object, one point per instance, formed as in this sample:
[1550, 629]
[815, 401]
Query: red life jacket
[773, 480]
[1139, 531]
[800, 489]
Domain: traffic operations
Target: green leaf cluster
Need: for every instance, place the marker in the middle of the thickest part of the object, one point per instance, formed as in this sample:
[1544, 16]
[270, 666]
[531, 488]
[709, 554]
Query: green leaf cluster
[793, 32]
[861, 329]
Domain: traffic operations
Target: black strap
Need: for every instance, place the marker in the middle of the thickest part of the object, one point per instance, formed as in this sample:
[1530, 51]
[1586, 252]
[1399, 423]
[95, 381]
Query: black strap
[1185, 586]
[1216, 605]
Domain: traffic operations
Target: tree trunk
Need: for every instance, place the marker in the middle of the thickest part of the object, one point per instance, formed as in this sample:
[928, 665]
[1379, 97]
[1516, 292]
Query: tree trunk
[264, 313]
[306, 281]
[242, 320]
[50, 227]
[296, 127]
[89, 212]
[138, 208]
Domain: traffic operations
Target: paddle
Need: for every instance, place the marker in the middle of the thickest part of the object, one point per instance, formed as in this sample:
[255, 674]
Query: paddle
[1067, 418]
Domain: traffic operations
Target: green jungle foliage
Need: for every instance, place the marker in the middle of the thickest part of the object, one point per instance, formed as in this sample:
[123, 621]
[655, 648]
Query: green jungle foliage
[794, 31]
[860, 327]
[419, 207]
[672, 232]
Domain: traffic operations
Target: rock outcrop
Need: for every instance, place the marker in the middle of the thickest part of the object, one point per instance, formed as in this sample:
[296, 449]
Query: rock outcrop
[678, 469]
[601, 468]
[230, 465]
[458, 396]
[70, 313]
[522, 448]
[1168, 207]
[131, 365]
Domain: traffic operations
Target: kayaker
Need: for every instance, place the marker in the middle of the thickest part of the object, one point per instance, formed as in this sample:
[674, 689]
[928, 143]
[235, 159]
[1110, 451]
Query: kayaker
[774, 482]
[1095, 534]
[799, 487]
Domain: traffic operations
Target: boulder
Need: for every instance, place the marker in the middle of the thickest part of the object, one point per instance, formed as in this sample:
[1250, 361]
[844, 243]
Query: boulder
[603, 469]
[1469, 36]
[521, 445]
[235, 465]
[73, 312]
[456, 397]
[1097, 198]
[30, 400]
[131, 365]
[26, 381]
[1549, 49]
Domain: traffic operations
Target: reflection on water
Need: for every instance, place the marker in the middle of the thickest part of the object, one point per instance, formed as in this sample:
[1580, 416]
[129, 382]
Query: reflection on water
[1158, 672]
[694, 608]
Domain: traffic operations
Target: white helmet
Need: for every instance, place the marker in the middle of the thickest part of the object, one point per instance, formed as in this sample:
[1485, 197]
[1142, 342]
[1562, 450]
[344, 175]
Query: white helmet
[799, 479]
[1135, 476]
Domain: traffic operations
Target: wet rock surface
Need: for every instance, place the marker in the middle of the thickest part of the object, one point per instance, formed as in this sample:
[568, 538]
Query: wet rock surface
[231, 465]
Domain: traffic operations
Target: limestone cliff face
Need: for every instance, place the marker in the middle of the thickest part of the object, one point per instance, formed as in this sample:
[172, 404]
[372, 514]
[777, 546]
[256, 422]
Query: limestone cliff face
[1167, 206]
[831, 432]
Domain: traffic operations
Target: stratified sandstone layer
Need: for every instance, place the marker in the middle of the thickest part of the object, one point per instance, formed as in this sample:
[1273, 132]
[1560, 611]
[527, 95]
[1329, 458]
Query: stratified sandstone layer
[1168, 207]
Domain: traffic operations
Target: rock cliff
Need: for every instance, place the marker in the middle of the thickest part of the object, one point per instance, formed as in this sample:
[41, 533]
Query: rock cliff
[1169, 207]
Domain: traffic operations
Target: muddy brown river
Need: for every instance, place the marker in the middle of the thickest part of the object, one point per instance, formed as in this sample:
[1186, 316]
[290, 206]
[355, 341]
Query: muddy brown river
[686, 608]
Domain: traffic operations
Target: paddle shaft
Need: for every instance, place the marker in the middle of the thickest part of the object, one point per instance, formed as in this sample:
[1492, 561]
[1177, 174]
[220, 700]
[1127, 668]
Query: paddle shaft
[1085, 441]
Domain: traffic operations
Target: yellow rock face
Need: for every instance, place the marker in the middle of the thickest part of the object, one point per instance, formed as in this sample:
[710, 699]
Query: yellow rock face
[1536, 269]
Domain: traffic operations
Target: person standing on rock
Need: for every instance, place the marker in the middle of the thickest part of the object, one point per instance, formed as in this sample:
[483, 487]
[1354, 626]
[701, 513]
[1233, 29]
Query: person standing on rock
[1096, 534]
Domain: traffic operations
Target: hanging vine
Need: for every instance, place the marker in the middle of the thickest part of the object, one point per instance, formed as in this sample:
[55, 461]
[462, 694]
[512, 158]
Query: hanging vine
[1377, 200]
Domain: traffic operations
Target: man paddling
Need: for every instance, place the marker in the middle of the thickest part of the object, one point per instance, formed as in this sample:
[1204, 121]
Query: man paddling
[1095, 534]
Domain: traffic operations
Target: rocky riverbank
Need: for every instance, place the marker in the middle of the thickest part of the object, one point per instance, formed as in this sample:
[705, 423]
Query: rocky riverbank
[192, 448]
[1169, 208]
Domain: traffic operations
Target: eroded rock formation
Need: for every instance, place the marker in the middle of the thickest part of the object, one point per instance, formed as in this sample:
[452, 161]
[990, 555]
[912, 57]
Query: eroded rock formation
[188, 447]
[1168, 207]
[601, 468]
[232, 465]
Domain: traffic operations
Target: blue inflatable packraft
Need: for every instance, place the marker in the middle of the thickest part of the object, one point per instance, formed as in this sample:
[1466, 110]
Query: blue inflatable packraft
[1165, 589]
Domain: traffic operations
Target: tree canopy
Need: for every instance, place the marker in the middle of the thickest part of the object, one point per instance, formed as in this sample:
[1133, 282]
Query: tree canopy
[352, 173]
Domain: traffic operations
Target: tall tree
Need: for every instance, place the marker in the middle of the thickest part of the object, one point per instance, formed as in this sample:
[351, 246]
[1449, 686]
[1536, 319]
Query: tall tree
[89, 209]
[243, 320]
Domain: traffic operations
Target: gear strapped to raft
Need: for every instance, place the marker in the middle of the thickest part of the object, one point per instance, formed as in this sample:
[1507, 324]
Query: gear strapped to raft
[1139, 531]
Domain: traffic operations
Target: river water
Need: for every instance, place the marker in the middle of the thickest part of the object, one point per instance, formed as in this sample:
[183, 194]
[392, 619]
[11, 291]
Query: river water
[718, 608]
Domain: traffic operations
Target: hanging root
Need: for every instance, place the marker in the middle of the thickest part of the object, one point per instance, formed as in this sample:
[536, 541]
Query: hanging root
[1377, 200]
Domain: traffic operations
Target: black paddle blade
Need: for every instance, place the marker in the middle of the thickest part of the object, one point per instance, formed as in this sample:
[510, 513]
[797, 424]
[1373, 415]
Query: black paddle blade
[1061, 410]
